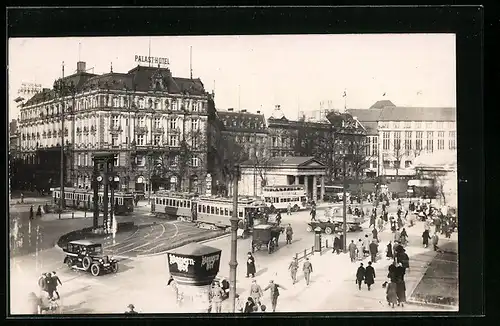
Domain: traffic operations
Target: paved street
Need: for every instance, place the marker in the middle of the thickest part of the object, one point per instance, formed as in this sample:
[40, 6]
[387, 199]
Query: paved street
[144, 277]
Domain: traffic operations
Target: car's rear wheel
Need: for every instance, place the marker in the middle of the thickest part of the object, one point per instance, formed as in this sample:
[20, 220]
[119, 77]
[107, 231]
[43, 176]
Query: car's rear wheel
[95, 270]
[328, 230]
[69, 262]
[114, 267]
[86, 262]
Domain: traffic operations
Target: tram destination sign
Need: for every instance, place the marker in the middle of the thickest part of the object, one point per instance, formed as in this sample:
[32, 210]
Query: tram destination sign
[152, 60]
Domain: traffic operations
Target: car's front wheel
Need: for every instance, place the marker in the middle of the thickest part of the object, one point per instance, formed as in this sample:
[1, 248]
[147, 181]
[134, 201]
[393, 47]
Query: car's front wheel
[69, 262]
[309, 228]
[95, 270]
[86, 262]
[328, 230]
[114, 267]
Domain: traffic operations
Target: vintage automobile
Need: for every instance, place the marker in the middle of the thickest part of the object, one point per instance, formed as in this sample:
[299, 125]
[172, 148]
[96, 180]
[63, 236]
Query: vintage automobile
[266, 234]
[88, 256]
[328, 227]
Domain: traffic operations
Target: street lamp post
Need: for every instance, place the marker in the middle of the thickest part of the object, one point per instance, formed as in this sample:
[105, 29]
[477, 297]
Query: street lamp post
[344, 204]
[233, 263]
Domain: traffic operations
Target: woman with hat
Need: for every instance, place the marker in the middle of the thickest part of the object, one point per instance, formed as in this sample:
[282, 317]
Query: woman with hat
[250, 265]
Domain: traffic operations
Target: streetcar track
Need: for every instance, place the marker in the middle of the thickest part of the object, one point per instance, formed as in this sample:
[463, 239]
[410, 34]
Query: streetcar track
[143, 245]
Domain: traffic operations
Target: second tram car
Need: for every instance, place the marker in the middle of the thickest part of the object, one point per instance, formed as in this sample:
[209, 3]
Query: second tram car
[278, 198]
[83, 199]
[212, 211]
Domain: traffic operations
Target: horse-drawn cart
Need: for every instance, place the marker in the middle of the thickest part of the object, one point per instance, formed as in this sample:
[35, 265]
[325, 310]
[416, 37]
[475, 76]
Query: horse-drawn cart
[267, 235]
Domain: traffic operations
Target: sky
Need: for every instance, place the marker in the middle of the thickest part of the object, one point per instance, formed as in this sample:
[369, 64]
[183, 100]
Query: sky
[257, 72]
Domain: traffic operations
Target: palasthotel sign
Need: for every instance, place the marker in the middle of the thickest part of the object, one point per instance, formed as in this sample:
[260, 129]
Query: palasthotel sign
[153, 60]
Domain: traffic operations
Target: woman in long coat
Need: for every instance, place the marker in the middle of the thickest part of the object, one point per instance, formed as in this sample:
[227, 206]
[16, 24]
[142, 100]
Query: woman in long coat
[425, 238]
[391, 294]
[369, 275]
[360, 275]
[250, 265]
[401, 292]
[389, 251]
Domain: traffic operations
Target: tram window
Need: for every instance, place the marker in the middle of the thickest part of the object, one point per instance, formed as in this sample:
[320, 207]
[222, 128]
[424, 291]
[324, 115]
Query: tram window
[199, 209]
[204, 208]
[189, 204]
[217, 210]
[230, 213]
[212, 210]
[240, 214]
[184, 203]
[226, 212]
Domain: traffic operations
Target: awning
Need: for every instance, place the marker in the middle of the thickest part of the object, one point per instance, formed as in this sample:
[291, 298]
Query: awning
[420, 183]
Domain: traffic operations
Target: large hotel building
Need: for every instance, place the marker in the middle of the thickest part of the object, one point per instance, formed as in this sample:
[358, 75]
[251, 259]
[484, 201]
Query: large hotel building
[156, 124]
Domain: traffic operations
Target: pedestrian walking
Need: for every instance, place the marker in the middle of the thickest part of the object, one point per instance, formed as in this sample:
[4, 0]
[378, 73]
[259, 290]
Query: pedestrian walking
[289, 209]
[56, 281]
[274, 288]
[278, 218]
[369, 275]
[437, 225]
[403, 237]
[397, 236]
[389, 254]
[375, 233]
[435, 240]
[42, 282]
[307, 269]
[380, 224]
[360, 275]
[400, 222]
[50, 285]
[289, 234]
[373, 250]
[22, 198]
[425, 238]
[31, 212]
[352, 251]
[216, 294]
[39, 211]
[359, 249]
[250, 306]
[372, 221]
[391, 294]
[131, 310]
[256, 292]
[336, 244]
[293, 268]
[366, 245]
[313, 214]
[250, 265]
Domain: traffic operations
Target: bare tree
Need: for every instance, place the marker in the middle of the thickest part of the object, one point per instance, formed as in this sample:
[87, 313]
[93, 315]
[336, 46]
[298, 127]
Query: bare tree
[399, 153]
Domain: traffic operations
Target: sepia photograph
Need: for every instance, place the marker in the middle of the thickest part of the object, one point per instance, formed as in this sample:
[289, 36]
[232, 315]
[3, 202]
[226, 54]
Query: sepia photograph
[240, 174]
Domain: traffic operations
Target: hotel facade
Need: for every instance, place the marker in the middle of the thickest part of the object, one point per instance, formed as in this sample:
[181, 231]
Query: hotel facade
[154, 122]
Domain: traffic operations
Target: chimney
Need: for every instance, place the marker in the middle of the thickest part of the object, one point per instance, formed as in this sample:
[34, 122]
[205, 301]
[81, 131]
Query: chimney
[277, 107]
[80, 66]
[243, 111]
[258, 112]
[230, 109]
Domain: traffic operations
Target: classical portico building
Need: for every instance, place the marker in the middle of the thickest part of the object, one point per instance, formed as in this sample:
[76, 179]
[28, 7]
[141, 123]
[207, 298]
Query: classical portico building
[286, 170]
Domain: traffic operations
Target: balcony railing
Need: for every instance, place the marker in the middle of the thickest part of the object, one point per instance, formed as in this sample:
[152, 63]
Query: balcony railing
[158, 130]
[141, 130]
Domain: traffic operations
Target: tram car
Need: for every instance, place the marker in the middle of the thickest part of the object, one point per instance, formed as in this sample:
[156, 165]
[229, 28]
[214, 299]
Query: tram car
[83, 199]
[211, 212]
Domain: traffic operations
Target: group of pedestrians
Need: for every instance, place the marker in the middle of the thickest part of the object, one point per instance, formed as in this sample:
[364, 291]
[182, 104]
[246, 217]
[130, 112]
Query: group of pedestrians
[38, 212]
[48, 282]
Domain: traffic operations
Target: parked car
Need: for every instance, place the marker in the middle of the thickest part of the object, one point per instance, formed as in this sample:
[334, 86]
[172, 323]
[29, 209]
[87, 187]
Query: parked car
[88, 256]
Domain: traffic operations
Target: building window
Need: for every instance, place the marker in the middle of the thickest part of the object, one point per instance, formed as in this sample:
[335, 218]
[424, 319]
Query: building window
[86, 160]
[195, 162]
[115, 122]
[397, 164]
[430, 141]
[275, 141]
[141, 121]
[173, 123]
[419, 142]
[429, 125]
[408, 136]
[395, 124]
[374, 164]
[79, 160]
[114, 140]
[451, 124]
[174, 105]
[387, 164]
[407, 124]
[451, 140]
[157, 139]
[418, 124]
[141, 103]
[397, 140]
[407, 164]
[173, 140]
[140, 140]
[440, 140]
[368, 146]
[440, 125]
[116, 102]
[157, 122]
[116, 161]
[386, 140]
[194, 124]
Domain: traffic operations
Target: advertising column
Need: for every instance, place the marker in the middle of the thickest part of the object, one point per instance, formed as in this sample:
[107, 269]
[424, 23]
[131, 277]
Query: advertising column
[194, 267]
